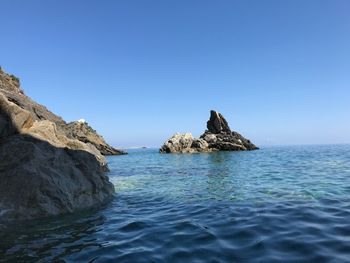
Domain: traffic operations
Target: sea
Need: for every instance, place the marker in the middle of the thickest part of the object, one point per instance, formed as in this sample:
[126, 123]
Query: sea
[276, 204]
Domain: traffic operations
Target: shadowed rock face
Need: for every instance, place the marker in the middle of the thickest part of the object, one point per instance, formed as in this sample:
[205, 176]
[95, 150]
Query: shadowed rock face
[43, 172]
[218, 137]
[40, 180]
[217, 123]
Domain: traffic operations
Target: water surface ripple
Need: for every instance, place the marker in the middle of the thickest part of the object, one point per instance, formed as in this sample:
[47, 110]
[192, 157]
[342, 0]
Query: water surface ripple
[278, 204]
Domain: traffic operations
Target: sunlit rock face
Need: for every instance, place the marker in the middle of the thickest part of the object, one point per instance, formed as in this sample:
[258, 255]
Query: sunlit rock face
[217, 137]
[184, 143]
[81, 131]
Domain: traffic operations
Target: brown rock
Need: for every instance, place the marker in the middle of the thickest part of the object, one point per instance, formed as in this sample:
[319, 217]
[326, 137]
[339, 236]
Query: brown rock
[81, 131]
[10, 89]
[43, 172]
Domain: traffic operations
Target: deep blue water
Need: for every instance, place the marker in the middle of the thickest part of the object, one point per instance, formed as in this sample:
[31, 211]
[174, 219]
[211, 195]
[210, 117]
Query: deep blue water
[284, 204]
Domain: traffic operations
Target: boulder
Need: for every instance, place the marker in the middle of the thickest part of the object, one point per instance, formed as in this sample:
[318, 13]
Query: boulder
[217, 137]
[43, 172]
[184, 143]
[40, 180]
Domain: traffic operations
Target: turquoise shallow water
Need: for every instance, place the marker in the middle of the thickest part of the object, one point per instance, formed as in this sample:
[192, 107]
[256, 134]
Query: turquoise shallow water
[284, 204]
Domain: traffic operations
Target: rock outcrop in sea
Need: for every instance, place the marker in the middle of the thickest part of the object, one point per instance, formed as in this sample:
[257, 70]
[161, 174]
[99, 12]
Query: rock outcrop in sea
[47, 167]
[184, 143]
[217, 137]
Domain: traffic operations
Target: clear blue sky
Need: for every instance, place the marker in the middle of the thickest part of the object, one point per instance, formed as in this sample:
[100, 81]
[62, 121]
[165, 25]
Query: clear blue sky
[138, 71]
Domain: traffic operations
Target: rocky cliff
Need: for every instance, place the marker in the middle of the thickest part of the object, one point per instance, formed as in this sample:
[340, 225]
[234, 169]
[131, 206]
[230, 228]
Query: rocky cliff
[217, 137]
[10, 88]
[45, 170]
[81, 131]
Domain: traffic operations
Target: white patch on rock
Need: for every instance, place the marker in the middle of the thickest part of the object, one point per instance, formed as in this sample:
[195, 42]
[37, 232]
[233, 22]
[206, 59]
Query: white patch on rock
[82, 121]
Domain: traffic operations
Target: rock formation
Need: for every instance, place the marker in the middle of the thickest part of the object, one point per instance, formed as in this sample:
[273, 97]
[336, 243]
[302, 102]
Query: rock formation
[184, 143]
[220, 137]
[217, 137]
[81, 131]
[43, 171]
[217, 123]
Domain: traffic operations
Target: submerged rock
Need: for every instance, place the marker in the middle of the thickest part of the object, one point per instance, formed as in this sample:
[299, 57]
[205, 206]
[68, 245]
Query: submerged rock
[217, 137]
[43, 171]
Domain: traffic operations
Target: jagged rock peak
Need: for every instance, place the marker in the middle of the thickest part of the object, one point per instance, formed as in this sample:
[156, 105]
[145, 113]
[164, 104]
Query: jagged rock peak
[218, 137]
[217, 123]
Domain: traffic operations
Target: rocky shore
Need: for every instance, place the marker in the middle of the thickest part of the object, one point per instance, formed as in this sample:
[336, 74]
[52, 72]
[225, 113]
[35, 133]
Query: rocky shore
[217, 137]
[47, 167]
